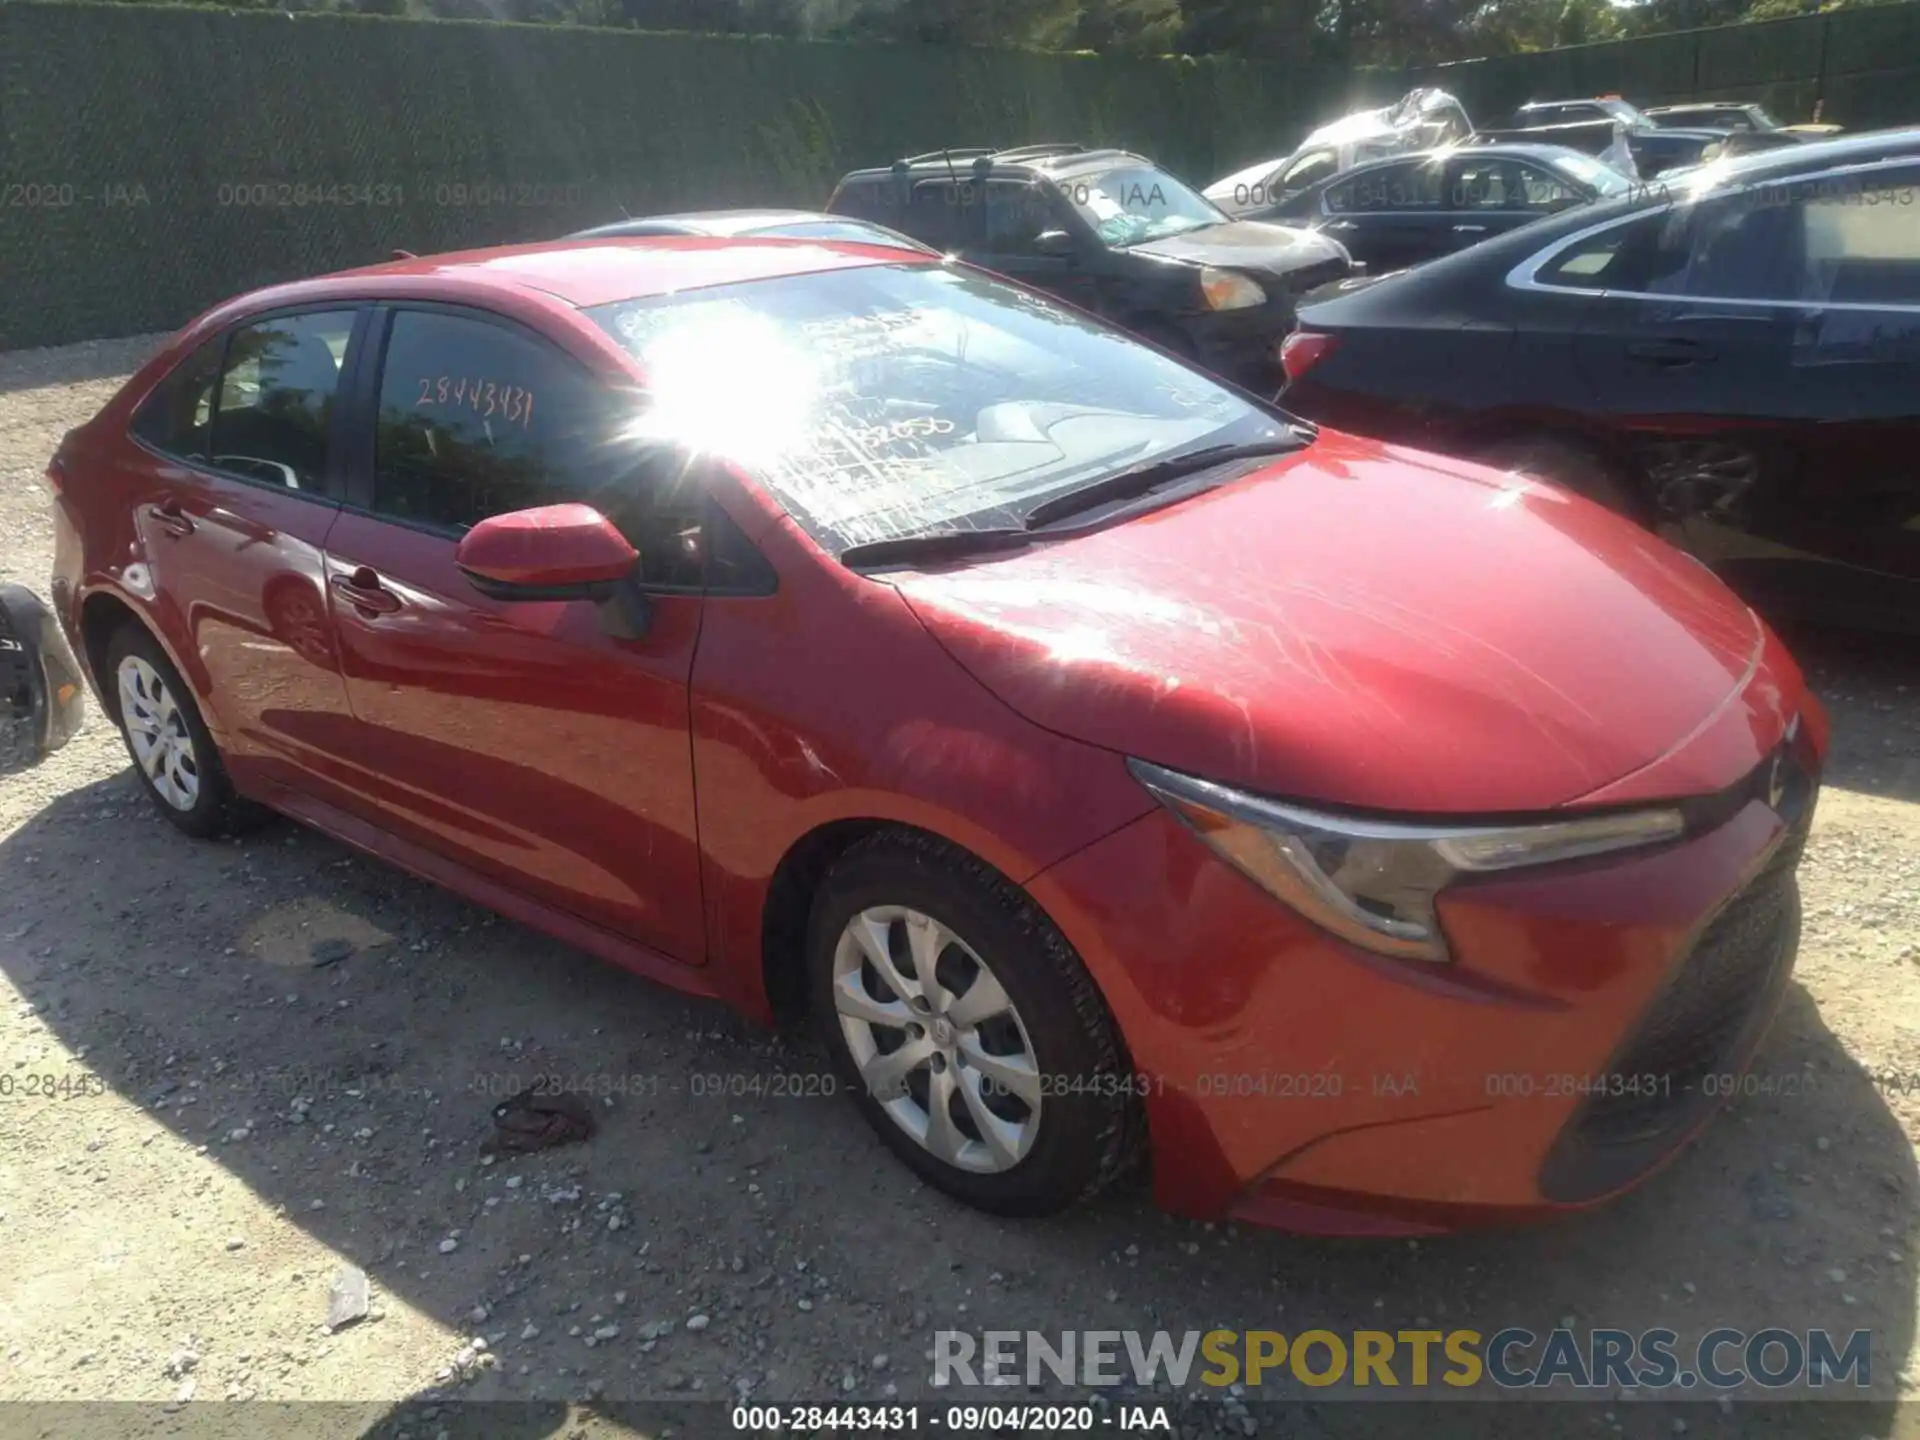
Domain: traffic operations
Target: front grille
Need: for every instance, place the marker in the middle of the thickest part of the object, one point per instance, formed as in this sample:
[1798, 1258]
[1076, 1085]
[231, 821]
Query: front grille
[1702, 1025]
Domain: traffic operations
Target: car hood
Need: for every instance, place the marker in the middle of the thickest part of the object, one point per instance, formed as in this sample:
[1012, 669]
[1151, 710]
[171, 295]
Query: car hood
[1247, 245]
[1363, 626]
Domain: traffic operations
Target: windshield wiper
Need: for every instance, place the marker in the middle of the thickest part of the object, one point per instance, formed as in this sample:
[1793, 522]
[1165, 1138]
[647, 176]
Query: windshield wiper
[1126, 484]
[934, 545]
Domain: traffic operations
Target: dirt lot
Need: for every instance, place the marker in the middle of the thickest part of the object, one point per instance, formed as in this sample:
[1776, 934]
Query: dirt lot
[233, 1121]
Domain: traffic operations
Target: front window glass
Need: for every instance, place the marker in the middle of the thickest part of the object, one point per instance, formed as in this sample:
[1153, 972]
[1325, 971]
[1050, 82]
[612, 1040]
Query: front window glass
[1130, 204]
[885, 401]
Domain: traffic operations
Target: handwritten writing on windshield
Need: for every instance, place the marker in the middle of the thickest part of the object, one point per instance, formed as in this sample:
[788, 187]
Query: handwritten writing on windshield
[485, 398]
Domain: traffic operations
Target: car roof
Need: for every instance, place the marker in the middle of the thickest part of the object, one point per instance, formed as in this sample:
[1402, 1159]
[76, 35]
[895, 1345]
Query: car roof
[1523, 149]
[710, 222]
[1856, 149]
[1061, 158]
[587, 272]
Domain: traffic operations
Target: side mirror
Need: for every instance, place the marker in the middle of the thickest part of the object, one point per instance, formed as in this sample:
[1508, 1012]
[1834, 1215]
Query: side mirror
[552, 552]
[39, 680]
[1057, 243]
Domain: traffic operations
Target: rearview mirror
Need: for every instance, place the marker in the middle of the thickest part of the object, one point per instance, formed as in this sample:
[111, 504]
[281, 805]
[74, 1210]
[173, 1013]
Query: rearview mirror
[1054, 242]
[552, 552]
[39, 680]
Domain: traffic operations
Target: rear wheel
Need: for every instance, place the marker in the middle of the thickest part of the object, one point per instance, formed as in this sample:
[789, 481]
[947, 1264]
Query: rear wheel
[174, 756]
[1569, 465]
[970, 1035]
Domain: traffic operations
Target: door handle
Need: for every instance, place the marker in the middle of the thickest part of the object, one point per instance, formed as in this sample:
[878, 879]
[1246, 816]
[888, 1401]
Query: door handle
[1338, 225]
[1469, 229]
[363, 590]
[168, 515]
[1670, 354]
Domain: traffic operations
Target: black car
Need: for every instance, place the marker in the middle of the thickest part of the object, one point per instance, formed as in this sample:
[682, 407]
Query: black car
[1655, 148]
[1735, 360]
[1733, 116]
[770, 224]
[1114, 234]
[1400, 211]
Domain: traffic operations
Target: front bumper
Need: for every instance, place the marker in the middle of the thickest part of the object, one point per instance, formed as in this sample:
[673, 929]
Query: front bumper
[1594, 1014]
[40, 681]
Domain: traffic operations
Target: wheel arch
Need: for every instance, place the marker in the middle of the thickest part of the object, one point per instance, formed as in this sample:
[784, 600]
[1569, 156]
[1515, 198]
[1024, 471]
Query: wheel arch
[102, 611]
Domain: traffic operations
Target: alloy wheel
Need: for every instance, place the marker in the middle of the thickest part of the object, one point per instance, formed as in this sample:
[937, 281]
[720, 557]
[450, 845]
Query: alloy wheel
[938, 1042]
[157, 732]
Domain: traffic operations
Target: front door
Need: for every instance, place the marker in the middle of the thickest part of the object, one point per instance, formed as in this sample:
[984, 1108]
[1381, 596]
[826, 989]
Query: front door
[1389, 216]
[516, 738]
[1003, 222]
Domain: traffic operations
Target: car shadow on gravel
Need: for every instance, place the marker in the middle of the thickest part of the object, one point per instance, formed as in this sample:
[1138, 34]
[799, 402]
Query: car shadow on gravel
[333, 1034]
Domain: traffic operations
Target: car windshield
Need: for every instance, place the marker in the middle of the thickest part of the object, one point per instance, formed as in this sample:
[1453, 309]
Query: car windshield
[1596, 175]
[1131, 204]
[880, 402]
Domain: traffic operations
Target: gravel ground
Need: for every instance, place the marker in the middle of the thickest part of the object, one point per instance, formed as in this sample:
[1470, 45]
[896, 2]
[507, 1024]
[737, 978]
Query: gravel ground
[240, 1122]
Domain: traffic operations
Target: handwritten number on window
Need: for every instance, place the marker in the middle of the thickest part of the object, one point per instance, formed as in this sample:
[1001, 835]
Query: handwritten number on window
[485, 398]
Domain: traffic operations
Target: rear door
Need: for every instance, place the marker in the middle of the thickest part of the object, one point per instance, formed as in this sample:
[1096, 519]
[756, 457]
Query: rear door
[1746, 400]
[519, 739]
[1490, 195]
[1858, 331]
[1389, 216]
[245, 479]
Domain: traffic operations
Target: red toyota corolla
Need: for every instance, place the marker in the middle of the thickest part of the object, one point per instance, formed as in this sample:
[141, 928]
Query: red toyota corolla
[1107, 761]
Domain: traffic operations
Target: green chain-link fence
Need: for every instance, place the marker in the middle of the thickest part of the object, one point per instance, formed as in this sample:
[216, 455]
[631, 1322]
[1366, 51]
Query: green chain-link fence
[156, 159]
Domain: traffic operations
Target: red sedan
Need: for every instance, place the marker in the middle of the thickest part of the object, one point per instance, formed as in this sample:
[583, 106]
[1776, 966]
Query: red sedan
[1108, 762]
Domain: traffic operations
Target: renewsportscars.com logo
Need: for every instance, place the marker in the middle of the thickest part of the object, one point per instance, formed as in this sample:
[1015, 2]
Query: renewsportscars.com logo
[1372, 1361]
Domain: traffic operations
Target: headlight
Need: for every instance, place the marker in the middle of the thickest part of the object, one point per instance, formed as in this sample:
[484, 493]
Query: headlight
[1229, 290]
[1373, 882]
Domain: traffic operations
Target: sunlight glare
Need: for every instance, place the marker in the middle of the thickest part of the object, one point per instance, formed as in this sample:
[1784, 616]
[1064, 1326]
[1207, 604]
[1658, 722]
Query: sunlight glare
[732, 384]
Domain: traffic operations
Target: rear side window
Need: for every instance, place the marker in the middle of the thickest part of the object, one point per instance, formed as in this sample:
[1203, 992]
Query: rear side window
[929, 211]
[863, 200]
[274, 407]
[1501, 182]
[177, 418]
[478, 419]
[1647, 255]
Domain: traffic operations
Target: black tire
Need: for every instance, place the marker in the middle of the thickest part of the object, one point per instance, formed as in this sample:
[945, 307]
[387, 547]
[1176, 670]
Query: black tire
[217, 809]
[1089, 1126]
[1571, 466]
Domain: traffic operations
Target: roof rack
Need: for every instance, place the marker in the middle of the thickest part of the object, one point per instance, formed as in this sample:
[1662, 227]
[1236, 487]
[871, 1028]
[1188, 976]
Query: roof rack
[963, 153]
[1035, 152]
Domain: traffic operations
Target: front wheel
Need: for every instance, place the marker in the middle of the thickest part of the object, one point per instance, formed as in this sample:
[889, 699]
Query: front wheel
[970, 1034]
